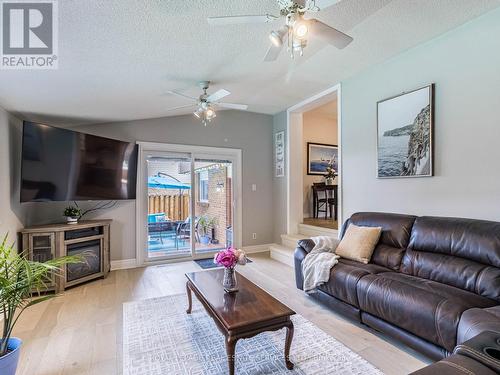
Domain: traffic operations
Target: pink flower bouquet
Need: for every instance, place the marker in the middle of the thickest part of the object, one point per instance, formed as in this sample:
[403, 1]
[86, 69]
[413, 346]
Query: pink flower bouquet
[230, 257]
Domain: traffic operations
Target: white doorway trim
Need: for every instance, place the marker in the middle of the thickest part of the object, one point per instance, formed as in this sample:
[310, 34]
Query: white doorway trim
[294, 154]
[196, 151]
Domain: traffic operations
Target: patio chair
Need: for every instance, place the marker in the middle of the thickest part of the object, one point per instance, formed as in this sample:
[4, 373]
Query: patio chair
[184, 229]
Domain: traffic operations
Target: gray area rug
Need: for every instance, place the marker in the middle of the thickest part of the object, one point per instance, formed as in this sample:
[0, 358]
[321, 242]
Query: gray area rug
[159, 338]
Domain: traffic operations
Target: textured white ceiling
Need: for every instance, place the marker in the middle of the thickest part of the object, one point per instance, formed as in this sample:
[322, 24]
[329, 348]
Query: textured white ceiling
[117, 58]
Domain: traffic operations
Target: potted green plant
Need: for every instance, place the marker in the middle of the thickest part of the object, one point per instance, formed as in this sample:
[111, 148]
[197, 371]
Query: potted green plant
[72, 214]
[21, 282]
[205, 223]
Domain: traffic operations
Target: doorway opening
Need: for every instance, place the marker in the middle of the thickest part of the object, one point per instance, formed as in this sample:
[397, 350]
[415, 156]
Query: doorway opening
[320, 155]
[314, 143]
[188, 202]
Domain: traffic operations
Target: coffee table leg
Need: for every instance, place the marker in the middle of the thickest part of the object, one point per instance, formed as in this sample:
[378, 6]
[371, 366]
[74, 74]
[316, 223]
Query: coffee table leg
[288, 343]
[230, 349]
[190, 298]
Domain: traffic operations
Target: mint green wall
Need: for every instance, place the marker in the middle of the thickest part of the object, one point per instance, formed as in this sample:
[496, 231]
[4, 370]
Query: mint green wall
[465, 66]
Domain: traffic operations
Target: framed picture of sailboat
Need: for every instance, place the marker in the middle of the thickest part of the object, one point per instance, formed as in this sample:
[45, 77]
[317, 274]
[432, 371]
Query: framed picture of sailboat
[320, 156]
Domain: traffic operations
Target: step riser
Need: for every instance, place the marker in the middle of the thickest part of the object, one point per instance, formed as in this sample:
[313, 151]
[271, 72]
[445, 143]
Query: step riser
[309, 231]
[290, 243]
[282, 258]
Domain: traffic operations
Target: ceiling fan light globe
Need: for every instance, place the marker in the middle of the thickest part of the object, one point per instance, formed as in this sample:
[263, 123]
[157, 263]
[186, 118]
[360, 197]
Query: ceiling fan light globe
[300, 29]
[210, 114]
[275, 38]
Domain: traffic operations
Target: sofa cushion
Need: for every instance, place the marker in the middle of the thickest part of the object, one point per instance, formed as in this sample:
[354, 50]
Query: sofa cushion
[358, 243]
[395, 236]
[426, 308]
[463, 253]
[344, 277]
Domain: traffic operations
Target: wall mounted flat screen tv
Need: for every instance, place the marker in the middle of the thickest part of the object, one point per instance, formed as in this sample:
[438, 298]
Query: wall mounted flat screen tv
[65, 165]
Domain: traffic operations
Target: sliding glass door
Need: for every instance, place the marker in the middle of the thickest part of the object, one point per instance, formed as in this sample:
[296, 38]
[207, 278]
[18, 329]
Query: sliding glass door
[190, 205]
[169, 206]
[213, 208]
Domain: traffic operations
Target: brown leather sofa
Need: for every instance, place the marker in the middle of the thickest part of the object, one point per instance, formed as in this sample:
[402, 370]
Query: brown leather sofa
[477, 356]
[432, 283]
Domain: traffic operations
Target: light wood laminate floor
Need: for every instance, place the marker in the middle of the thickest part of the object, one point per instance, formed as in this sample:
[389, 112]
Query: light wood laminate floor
[80, 332]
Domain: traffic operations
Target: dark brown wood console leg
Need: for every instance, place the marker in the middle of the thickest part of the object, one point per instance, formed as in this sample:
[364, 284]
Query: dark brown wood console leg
[230, 350]
[288, 343]
[190, 298]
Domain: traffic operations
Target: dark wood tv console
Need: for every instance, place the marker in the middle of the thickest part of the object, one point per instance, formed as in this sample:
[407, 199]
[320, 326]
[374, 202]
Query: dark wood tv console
[44, 242]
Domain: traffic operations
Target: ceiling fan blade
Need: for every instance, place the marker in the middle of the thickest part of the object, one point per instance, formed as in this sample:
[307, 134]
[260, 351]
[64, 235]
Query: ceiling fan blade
[232, 20]
[329, 34]
[182, 95]
[181, 107]
[218, 95]
[316, 5]
[272, 53]
[241, 107]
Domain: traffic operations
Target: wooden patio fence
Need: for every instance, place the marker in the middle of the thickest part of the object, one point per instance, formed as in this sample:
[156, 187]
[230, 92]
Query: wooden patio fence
[176, 207]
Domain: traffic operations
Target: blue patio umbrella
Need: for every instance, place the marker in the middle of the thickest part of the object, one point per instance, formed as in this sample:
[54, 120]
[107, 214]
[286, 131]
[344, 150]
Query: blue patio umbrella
[166, 182]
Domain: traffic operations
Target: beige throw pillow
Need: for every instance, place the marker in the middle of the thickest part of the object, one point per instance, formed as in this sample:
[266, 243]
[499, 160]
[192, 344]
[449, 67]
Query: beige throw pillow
[358, 243]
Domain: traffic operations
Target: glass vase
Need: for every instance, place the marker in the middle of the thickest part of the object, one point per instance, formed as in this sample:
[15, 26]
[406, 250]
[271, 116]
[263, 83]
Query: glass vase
[229, 283]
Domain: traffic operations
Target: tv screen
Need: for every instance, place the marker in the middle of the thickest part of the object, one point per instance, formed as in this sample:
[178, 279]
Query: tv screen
[65, 165]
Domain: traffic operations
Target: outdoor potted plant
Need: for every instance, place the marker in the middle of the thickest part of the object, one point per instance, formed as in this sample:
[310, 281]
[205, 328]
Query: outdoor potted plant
[229, 258]
[21, 282]
[72, 214]
[205, 223]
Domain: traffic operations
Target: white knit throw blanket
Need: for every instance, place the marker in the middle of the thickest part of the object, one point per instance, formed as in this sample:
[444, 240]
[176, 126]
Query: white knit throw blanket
[317, 264]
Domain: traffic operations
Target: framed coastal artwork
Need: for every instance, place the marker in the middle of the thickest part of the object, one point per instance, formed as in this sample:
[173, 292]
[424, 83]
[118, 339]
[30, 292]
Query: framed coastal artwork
[404, 134]
[279, 154]
[319, 156]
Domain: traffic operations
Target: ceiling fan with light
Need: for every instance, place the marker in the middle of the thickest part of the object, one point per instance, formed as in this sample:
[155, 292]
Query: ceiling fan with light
[206, 103]
[296, 29]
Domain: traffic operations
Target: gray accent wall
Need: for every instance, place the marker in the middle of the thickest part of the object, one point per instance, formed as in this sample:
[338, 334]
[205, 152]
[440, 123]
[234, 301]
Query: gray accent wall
[464, 65]
[250, 132]
[10, 209]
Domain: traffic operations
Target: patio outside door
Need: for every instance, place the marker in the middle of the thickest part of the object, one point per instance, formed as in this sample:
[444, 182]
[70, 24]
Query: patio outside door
[168, 206]
[213, 205]
[190, 204]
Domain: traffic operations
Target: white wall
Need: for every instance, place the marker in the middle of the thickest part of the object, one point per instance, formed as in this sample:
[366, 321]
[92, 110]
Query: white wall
[319, 126]
[464, 64]
[10, 209]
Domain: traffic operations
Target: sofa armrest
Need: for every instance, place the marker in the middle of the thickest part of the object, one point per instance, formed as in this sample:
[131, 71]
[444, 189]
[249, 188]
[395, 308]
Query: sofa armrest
[476, 320]
[484, 348]
[454, 365]
[307, 245]
[303, 248]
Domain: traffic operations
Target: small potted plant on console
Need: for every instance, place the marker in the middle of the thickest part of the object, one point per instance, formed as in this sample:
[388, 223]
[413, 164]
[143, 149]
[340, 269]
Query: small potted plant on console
[21, 283]
[72, 214]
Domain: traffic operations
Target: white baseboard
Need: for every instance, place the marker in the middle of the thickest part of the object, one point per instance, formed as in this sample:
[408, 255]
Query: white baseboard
[123, 264]
[132, 263]
[257, 248]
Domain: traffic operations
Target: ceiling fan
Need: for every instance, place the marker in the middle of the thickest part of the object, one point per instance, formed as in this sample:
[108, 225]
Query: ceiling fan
[296, 29]
[206, 103]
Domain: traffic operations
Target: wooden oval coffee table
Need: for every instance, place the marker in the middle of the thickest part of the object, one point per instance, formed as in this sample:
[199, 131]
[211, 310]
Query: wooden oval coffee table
[242, 314]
